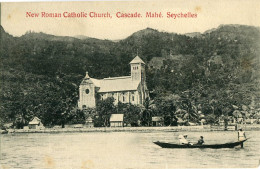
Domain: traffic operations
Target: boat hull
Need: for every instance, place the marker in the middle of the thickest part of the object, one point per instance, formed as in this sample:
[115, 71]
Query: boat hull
[226, 145]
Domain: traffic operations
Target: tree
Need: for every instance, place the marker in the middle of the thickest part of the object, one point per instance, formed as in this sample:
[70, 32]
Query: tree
[191, 113]
[132, 114]
[211, 119]
[104, 109]
[147, 111]
[166, 107]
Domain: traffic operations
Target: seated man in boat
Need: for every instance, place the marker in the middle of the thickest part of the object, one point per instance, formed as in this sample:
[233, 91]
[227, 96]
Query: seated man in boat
[200, 141]
[183, 139]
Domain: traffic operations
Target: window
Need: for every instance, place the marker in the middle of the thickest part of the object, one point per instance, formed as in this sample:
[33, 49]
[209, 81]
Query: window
[135, 67]
[84, 106]
[133, 98]
[123, 98]
[87, 91]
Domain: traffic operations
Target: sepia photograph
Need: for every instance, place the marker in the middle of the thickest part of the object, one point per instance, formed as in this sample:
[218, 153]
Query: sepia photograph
[130, 84]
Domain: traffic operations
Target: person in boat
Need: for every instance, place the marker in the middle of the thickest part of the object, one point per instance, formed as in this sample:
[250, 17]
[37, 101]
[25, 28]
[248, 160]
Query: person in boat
[241, 136]
[183, 139]
[200, 141]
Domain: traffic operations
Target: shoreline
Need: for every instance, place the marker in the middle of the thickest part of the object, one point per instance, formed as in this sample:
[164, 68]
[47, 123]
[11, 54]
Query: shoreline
[205, 128]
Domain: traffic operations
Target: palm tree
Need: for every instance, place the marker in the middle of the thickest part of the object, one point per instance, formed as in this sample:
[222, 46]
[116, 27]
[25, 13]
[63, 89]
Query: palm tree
[147, 110]
[179, 114]
[190, 110]
[20, 120]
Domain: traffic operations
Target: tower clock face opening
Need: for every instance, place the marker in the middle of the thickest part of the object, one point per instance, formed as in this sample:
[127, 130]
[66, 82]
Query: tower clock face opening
[87, 91]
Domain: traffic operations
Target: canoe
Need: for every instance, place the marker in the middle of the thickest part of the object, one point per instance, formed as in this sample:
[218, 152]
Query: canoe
[225, 145]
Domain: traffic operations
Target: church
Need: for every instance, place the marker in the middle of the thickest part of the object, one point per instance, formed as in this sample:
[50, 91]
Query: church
[126, 89]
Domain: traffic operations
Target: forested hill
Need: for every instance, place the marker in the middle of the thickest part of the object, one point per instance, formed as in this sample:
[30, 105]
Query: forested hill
[40, 73]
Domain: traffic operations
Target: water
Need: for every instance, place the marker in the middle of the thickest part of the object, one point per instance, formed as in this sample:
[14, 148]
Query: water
[123, 150]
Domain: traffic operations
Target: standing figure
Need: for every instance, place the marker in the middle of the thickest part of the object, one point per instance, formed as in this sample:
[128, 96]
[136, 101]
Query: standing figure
[241, 136]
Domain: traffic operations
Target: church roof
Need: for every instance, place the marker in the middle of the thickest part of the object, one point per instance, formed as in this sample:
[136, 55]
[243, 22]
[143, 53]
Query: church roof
[96, 82]
[137, 59]
[114, 84]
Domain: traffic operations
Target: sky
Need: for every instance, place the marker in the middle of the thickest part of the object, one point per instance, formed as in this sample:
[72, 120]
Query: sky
[210, 14]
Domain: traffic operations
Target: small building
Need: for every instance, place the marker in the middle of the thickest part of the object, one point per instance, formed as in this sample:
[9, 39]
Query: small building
[180, 122]
[156, 63]
[25, 127]
[89, 122]
[251, 121]
[8, 125]
[158, 121]
[35, 123]
[203, 121]
[117, 120]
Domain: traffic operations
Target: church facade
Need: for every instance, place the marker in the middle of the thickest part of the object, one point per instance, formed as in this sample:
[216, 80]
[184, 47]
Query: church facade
[126, 89]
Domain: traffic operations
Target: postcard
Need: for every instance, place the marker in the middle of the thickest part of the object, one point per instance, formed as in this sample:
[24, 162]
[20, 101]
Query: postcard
[130, 84]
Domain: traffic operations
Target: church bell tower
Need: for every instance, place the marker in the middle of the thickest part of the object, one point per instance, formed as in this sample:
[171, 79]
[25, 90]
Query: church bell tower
[138, 76]
[138, 70]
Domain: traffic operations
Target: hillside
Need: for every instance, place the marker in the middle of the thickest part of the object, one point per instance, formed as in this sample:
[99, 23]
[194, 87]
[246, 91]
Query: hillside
[40, 73]
[44, 36]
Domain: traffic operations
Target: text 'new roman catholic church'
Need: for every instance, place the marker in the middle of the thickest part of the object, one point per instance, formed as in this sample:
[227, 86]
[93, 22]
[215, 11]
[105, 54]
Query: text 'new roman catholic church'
[126, 89]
